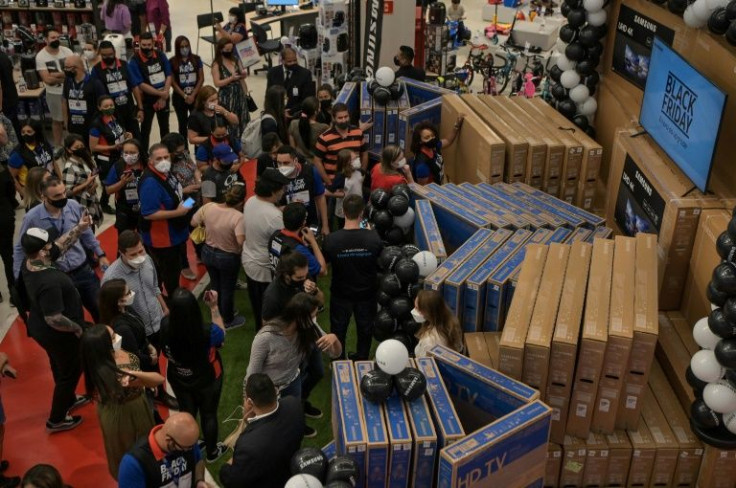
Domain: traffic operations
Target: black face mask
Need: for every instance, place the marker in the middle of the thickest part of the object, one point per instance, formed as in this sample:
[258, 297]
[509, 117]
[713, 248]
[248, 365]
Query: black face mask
[80, 153]
[430, 143]
[298, 284]
[55, 44]
[397, 61]
[70, 73]
[28, 139]
[227, 54]
[325, 105]
[147, 51]
[60, 203]
[342, 125]
[108, 61]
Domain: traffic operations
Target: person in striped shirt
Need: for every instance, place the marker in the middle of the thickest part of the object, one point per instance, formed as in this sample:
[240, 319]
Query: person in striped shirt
[340, 136]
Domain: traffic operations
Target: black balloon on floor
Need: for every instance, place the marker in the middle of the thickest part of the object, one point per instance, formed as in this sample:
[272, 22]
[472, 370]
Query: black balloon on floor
[695, 383]
[720, 326]
[407, 271]
[389, 257]
[376, 386]
[703, 416]
[581, 121]
[715, 295]
[576, 18]
[555, 73]
[731, 10]
[590, 130]
[558, 91]
[401, 308]
[575, 51]
[718, 21]
[309, 460]
[726, 246]
[410, 383]
[384, 325]
[568, 34]
[343, 468]
[567, 108]
[677, 6]
[395, 235]
[724, 277]
[398, 205]
[391, 285]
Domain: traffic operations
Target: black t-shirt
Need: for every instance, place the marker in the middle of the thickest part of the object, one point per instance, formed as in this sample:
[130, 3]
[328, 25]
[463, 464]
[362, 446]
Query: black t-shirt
[354, 257]
[50, 292]
[129, 326]
[222, 179]
[276, 296]
[411, 72]
[200, 123]
[7, 83]
[81, 99]
[265, 161]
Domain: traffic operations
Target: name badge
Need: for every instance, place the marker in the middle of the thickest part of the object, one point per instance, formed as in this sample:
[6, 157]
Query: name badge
[295, 91]
[300, 196]
[78, 105]
[131, 195]
[117, 87]
[157, 78]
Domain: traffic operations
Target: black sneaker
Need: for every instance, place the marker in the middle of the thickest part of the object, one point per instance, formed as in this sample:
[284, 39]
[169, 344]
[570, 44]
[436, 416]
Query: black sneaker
[219, 452]
[9, 481]
[309, 432]
[238, 321]
[80, 401]
[68, 423]
[311, 411]
[108, 209]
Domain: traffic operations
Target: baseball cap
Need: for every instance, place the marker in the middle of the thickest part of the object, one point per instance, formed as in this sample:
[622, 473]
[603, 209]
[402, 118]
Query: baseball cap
[36, 239]
[273, 175]
[224, 153]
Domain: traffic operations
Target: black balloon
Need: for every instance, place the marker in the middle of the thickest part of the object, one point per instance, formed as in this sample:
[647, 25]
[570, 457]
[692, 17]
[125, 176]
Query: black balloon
[555, 73]
[695, 383]
[731, 228]
[585, 67]
[558, 91]
[339, 484]
[391, 285]
[602, 30]
[731, 376]
[383, 220]
[593, 59]
[575, 51]
[343, 468]
[401, 308]
[369, 211]
[379, 198]
[590, 130]
[376, 386]
[384, 325]
[309, 460]
[574, 3]
[398, 205]
[406, 339]
[410, 383]
[581, 121]
[568, 34]
[703, 416]
[589, 35]
[658, 2]
[565, 10]
[718, 21]
[407, 271]
[731, 10]
[413, 290]
[592, 79]
[383, 298]
[567, 108]
[595, 50]
[576, 18]
[729, 310]
[401, 189]
[720, 326]
[715, 295]
[389, 257]
[726, 353]
[726, 246]
[395, 235]
[724, 277]
[409, 250]
[677, 6]
[410, 326]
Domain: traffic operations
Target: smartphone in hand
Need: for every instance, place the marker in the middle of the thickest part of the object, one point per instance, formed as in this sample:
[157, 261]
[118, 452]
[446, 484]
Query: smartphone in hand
[189, 202]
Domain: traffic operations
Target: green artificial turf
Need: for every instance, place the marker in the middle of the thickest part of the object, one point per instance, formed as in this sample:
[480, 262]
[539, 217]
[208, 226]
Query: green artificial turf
[235, 355]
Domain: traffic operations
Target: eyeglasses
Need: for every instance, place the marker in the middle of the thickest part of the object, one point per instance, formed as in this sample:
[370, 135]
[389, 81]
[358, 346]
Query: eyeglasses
[179, 446]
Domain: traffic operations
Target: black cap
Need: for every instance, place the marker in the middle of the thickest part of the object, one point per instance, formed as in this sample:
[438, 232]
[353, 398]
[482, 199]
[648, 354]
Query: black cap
[36, 239]
[274, 176]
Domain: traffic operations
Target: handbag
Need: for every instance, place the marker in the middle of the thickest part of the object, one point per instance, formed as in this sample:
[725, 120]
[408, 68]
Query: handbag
[199, 233]
[252, 107]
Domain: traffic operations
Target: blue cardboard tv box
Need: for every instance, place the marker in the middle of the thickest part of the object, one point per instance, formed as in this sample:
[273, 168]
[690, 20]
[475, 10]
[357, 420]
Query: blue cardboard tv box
[581, 234]
[430, 111]
[475, 286]
[329, 450]
[590, 218]
[455, 222]
[601, 232]
[427, 235]
[497, 219]
[494, 311]
[436, 279]
[513, 192]
[516, 219]
[420, 92]
[425, 442]
[455, 283]
[550, 219]
[366, 112]
[350, 95]
[400, 442]
[511, 209]
[446, 420]
[510, 452]
[376, 462]
[378, 131]
[348, 427]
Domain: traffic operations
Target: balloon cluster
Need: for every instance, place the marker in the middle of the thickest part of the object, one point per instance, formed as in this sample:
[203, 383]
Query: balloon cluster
[310, 469]
[392, 372]
[722, 18]
[712, 371]
[384, 87]
[390, 213]
[574, 76]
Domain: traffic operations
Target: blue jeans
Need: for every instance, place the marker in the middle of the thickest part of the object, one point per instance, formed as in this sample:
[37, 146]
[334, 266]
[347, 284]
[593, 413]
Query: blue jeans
[292, 389]
[365, 313]
[223, 268]
[88, 285]
[312, 371]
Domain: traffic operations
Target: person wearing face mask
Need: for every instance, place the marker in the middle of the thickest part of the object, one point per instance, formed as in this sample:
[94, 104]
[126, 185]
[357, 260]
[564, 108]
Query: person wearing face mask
[159, 21]
[270, 143]
[187, 79]
[50, 67]
[392, 171]
[404, 60]
[165, 225]
[297, 236]
[325, 97]
[8, 204]
[303, 132]
[202, 119]
[347, 181]
[90, 56]
[229, 77]
[113, 377]
[56, 317]
[150, 71]
[285, 342]
[169, 452]
[305, 187]
[220, 176]
[114, 76]
[32, 151]
[122, 181]
[81, 176]
[428, 166]
[296, 80]
[79, 96]
[340, 136]
[65, 214]
[234, 31]
[439, 326]
[220, 136]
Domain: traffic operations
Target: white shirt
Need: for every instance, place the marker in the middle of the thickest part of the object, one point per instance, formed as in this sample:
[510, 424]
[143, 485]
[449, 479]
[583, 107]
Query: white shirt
[430, 339]
[263, 415]
[260, 220]
[53, 63]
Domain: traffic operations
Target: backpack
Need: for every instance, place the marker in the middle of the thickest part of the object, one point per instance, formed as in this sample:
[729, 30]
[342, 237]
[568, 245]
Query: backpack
[252, 135]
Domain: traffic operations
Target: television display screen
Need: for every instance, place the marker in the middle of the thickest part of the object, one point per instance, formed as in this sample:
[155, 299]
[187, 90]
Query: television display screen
[282, 3]
[682, 111]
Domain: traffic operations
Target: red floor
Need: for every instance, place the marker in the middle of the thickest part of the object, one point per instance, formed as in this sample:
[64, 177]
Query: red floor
[78, 454]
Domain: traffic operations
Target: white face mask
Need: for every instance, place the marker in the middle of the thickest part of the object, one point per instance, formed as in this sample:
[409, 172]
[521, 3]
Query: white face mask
[163, 166]
[129, 298]
[89, 55]
[287, 171]
[400, 163]
[130, 159]
[211, 106]
[136, 262]
[417, 316]
[233, 19]
[355, 163]
[117, 342]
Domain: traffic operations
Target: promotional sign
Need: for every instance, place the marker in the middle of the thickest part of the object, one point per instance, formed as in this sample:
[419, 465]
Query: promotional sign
[373, 31]
[639, 208]
[632, 48]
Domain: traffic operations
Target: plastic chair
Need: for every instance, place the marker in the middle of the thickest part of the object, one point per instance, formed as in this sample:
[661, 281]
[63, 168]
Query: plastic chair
[207, 21]
[266, 46]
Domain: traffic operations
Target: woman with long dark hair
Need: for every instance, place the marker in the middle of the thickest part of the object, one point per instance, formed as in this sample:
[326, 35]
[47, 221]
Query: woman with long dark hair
[439, 324]
[229, 77]
[274, 105]
[106, 137]
[116, 16]
[303, 131]
[80, 176]
[187, 79]
[426, 145]
[114, 378]
[234, 31]
[201, 120]
[195, 369]
[32, 150]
